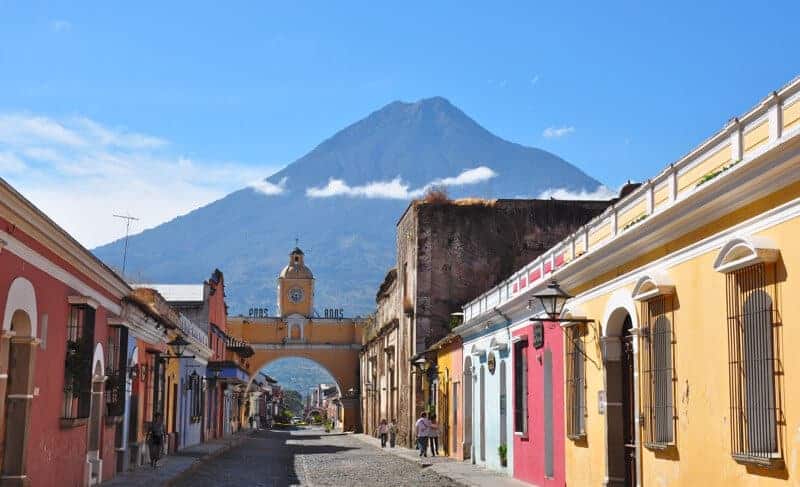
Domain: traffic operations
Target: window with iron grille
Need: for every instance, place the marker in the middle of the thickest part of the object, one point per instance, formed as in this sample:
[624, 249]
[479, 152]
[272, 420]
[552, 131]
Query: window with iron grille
[754, 361]
[657, 372]
[116, 360]
[576, 381]
[195, 385]
[78, 363]
[521, 387]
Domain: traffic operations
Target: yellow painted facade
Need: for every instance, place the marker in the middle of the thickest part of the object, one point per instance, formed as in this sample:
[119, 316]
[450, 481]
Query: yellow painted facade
[333, 343]
[716, 258]
[690, 178]
[791, 116]
[756, 137]
[296, 287]
[702, 448]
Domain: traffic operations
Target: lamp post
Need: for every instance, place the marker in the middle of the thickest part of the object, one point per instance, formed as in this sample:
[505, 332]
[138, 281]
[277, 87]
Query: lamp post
[177, 345]
[552, 299]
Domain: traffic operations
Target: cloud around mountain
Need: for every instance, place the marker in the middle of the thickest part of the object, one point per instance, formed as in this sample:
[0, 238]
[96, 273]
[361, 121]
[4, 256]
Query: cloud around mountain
[397, 188]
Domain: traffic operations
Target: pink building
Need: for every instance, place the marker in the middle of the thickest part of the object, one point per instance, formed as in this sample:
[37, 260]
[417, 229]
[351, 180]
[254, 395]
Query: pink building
[538, 389]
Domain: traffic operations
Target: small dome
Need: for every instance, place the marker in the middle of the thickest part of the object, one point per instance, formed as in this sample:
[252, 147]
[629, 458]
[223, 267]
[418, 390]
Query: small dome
[297, 268]
[297, 271]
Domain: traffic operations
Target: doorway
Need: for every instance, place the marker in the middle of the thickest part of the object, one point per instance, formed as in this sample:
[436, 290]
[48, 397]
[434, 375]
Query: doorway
[467, 447]
[482, 405]
[20, 347]
[620, 366]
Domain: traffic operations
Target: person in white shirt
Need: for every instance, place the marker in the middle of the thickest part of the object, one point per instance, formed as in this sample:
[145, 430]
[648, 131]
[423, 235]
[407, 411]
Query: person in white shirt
[383, 431]
[421, 427]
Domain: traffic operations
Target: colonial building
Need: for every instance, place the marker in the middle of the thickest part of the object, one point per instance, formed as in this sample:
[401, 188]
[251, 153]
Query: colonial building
[677, 345]
[299, 330]
[69, 344]
[224, 405]
[447, 253]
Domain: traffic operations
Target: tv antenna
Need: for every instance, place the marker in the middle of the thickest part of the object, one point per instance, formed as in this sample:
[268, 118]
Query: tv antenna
[128, 219]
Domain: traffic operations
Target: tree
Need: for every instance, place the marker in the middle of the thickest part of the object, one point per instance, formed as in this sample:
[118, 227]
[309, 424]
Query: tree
[293, 401]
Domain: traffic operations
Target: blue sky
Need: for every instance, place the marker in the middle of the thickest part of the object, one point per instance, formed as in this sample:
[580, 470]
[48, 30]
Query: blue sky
[175, 104]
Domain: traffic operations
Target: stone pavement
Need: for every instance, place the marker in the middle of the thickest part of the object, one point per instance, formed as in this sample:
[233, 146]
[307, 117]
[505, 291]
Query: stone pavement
[464, 473]
[173, 467]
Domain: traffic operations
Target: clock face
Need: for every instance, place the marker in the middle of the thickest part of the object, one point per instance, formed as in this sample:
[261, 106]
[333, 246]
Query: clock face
[296, 294]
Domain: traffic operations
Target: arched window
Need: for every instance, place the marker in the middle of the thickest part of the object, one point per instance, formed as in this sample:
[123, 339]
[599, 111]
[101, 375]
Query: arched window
[753, 361]
[657, 375]
[753, 352]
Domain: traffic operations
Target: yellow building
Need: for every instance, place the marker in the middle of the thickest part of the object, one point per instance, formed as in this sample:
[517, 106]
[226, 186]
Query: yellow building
[332, 340]
[686, 374]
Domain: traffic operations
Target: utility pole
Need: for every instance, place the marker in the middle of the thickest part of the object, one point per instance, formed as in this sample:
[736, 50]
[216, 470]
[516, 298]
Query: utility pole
[128, 219]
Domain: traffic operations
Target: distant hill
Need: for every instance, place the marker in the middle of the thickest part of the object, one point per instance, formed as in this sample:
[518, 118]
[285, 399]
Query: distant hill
[298, 374]
[363, 178]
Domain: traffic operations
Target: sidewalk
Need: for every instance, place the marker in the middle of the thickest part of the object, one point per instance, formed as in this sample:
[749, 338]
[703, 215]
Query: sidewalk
[457, 471]
[172, 467]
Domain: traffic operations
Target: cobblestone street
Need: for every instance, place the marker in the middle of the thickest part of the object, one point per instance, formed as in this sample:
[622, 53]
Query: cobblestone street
[309, 457]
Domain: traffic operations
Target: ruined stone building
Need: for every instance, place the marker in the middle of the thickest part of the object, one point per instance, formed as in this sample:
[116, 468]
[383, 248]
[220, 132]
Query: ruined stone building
[448, 253]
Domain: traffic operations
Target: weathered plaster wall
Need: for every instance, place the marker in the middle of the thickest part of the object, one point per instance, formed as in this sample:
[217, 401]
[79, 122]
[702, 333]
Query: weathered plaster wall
[450, 252]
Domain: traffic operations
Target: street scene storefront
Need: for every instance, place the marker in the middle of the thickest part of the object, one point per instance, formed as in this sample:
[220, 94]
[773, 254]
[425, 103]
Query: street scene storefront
[667, 315]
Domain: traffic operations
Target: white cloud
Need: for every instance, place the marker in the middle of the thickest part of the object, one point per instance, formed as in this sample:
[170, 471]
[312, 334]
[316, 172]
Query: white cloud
[396, 188]
[61, 25]
[470, 176]
[79, 172]
[265, 187]
[601, 193]
[554, 132]
[10, 163]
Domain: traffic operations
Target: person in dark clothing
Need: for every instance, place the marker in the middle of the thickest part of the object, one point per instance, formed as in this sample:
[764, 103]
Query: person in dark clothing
[155, 439]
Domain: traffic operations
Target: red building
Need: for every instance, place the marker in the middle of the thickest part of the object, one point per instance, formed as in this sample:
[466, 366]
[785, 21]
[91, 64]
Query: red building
[538, 404]
[63, 353]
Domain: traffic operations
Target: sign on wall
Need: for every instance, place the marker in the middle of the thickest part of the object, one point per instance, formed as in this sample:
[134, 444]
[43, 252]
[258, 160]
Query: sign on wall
[491, 363]
[538, 335]
[601, 402]
[258, 313]
[334, 313]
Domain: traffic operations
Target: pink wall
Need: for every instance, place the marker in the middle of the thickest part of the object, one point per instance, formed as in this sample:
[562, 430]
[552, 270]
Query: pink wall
[55, 455]
[529, 453]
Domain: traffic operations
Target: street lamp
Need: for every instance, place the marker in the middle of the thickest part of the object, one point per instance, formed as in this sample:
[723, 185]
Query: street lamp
[552, 299]
[178, 345]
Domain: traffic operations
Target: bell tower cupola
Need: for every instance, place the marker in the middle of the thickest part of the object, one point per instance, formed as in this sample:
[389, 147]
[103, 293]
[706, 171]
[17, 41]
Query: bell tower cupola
[296, 286]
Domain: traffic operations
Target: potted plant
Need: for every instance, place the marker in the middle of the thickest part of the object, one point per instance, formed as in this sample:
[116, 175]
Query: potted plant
[502, 450]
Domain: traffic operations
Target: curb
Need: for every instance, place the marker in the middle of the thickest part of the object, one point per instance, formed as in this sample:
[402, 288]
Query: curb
[205, 458]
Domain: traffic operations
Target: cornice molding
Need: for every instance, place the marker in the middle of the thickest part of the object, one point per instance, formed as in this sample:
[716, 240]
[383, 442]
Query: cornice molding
[37, 225]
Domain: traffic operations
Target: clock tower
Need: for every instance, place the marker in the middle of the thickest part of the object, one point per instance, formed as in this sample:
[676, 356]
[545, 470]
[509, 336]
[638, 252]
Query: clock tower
[296, 287]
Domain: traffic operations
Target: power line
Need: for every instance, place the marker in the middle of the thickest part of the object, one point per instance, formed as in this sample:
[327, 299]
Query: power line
[128, 219]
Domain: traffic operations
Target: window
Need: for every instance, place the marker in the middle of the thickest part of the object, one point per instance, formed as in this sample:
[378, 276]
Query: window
[657, 373]
[195, 384]
[753, 362]
[78, 362]
[576, 382]
[116, 361]
[521, 387]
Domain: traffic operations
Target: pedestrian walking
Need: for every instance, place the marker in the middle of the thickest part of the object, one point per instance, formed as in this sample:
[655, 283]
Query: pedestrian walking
[383, 432]
[155, 439]
[392, 433]
[433, 435]
[421, 427]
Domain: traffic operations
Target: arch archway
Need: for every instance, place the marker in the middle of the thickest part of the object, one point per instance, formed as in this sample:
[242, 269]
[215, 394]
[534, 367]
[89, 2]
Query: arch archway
[341, 363]
[93, 455]
[620, 347]
[18, 343]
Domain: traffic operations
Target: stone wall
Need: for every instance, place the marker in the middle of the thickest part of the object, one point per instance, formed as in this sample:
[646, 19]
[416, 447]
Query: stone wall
[450, 252]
